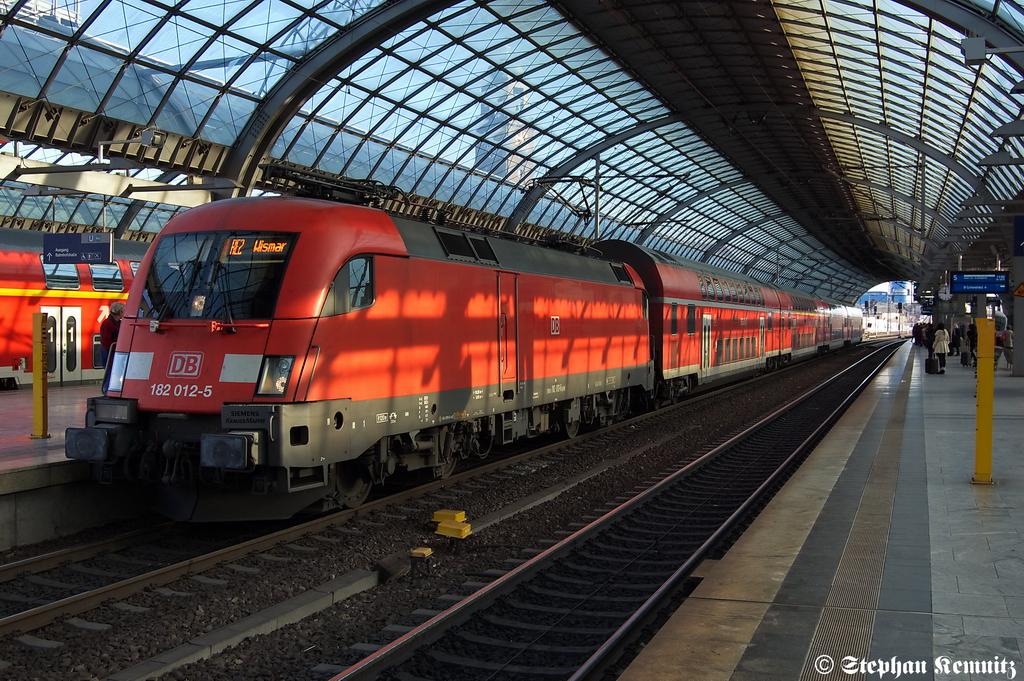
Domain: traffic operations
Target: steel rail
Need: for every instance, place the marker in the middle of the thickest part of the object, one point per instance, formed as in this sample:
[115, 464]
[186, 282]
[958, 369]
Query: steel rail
[48, 561]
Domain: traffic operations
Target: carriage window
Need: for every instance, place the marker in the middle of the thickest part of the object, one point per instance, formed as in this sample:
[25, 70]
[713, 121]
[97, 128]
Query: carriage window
[106, 278]
[703, 287]
[62, 276]
[675, 319]
[135, 266]
[718, 289]
[691, 319]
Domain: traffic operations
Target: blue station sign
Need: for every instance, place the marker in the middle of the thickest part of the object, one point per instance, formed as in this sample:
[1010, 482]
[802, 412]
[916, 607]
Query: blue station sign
[979, 282]
[94, 249]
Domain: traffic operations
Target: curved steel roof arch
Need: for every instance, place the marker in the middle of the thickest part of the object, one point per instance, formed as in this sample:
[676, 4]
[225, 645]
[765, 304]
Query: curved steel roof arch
[954, 166]
[252, 147]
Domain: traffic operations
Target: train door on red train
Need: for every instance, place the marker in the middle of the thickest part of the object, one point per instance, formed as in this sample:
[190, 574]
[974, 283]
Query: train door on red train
[759, 352]
[705, 348]
[508, 334]
[64, 344]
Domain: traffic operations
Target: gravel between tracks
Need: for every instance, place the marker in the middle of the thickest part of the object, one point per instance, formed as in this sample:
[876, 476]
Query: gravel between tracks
[292, 652]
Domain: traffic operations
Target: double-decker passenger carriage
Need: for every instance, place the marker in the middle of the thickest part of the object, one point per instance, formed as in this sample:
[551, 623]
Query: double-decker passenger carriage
[284, 353]
[75, 297]
[710, 324]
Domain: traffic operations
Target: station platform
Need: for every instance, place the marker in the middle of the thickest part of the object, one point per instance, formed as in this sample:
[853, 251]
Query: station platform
[43, 494]
[66, 410]
[879, 559]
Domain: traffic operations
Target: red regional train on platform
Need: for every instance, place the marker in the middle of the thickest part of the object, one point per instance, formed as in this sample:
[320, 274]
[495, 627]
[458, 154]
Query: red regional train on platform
[75, 297]
[282, 354]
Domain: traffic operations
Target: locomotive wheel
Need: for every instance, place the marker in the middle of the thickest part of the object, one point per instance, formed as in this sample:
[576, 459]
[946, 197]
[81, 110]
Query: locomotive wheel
[353, 485]
[448, 466]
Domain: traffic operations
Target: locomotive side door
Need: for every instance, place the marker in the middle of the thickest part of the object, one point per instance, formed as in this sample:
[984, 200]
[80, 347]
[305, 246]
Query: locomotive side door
[705, 348]
[64, 344]
[508, 334]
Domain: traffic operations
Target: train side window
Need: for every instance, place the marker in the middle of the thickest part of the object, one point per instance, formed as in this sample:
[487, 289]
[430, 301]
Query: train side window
[771, 320]
[360, 282]
[703, 287]
[106, 278]
[352, 288]
[691, 319]
[62, 276]
[135, 264]
[718, 352]
[675, 319]
[718, 289]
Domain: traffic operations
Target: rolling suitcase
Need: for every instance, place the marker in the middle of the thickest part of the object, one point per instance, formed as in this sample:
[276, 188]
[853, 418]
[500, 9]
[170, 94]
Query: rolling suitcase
[931, 365]
[965, 359]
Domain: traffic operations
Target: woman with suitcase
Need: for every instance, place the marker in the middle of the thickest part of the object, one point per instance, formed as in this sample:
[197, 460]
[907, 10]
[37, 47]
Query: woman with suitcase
[941, 346]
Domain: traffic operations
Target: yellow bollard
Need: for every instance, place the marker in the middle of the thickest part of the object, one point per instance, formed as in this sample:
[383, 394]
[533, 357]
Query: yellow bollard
[40, 413]
[986, 399]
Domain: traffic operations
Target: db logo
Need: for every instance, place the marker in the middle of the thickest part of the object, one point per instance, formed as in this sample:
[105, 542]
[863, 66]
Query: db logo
[185, 364]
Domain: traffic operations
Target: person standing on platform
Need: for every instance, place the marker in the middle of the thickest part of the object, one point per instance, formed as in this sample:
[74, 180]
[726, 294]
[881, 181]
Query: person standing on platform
[955, 340]
[972, 343]
[1008, 346]
[929, 339]
[108, 330]
[940, 345]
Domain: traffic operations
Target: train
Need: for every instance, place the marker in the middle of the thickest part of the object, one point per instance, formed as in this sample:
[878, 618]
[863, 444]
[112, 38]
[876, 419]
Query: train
[75, 297]
[286, 354]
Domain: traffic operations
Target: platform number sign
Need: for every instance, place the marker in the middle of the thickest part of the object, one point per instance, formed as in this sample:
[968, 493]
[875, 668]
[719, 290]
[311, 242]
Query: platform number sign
[556, 325]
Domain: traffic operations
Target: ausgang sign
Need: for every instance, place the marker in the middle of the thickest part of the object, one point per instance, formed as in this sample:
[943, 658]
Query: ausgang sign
[94, 249]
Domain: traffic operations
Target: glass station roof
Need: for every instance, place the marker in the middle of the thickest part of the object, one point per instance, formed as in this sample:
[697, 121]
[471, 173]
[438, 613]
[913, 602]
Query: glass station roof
[478, 103]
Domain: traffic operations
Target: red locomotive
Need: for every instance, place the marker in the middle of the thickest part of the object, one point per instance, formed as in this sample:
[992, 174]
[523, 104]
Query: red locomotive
[281, 354]
[75, 297]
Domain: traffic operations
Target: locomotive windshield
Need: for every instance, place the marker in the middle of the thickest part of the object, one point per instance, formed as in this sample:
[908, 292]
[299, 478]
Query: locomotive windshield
[216, 275]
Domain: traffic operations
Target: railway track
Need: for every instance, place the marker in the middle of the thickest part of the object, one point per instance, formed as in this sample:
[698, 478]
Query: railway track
[571, 610]
[105, 585]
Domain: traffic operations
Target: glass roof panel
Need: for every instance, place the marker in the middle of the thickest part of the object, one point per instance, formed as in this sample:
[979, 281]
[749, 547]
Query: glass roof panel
[475, 103]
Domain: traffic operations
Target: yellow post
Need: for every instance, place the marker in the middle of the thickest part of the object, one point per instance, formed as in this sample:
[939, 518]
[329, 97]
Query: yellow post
[40, 413]
[986, 399]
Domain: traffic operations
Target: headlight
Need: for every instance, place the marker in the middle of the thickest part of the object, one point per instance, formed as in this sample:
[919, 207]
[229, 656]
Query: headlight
[115, 383]
[274, 375]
